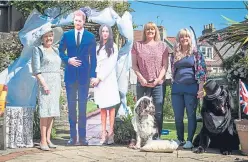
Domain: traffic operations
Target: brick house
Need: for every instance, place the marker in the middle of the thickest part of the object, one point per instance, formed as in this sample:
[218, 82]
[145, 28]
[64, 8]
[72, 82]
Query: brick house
[210, 44]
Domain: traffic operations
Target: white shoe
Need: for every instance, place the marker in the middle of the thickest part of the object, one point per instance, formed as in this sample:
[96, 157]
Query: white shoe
[110, 139]
[179, 143]
[188, 145]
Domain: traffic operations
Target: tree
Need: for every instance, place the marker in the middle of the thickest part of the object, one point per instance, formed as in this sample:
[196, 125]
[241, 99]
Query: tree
[236, 34]
[25, 7]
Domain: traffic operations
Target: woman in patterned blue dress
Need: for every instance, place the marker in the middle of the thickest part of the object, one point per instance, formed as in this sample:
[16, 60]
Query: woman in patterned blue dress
[46, 65]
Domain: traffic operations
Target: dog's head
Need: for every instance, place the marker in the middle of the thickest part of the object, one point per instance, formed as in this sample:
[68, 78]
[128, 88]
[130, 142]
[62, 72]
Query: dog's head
[220, 104]
[144, 106]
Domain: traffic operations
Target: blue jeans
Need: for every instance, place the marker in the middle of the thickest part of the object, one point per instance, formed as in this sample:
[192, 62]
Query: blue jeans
[185, 96]
[72, 99]
[164, 90]
[157, 95]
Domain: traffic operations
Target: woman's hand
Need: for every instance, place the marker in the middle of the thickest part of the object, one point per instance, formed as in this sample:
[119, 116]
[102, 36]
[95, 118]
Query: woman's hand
[95, 82]
[200, 94]
[46, 89]
[153, 83]
[143, 82]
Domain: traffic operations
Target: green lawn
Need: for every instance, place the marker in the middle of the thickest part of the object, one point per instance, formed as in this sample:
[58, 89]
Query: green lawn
[170, 125]
[91, 107]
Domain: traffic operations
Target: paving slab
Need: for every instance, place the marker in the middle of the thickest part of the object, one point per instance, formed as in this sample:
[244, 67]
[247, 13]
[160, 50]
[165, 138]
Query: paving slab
[110, 153]
[123, 154]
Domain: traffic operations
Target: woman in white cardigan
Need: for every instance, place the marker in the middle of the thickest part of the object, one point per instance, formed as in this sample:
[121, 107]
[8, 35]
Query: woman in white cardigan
[106, 94]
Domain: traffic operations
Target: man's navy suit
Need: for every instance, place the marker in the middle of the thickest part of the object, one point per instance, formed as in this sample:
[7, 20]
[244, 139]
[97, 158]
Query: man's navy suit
[77, 79]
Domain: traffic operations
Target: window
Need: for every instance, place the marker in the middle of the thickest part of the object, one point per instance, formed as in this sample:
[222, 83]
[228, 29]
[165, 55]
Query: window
[214, 70]
[207, 52]
[203, 50]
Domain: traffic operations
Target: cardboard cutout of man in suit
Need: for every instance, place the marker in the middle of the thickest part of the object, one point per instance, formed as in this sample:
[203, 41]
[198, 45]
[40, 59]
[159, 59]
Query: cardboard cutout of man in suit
[80, 61]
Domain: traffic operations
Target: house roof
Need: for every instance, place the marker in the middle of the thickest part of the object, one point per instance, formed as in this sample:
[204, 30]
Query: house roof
[172, 40]
[138, 36]
[215, 40]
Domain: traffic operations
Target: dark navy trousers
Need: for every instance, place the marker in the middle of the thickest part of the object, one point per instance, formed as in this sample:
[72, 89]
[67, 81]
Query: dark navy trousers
[185, 96]
[77, 97]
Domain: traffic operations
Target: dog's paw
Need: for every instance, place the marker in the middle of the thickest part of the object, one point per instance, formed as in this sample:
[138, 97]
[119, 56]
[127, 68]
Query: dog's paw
[132, 144]
[225, 152]
[199, 150]
[137, 147]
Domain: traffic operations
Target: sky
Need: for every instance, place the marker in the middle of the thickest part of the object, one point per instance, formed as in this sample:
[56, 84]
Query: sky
[174, 19]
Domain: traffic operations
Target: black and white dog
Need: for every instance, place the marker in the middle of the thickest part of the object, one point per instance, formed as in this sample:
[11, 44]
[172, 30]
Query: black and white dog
[218, 129]
[144, 122]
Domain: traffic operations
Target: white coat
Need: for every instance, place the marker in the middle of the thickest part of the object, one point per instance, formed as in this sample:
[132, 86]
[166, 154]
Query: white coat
[106, 93]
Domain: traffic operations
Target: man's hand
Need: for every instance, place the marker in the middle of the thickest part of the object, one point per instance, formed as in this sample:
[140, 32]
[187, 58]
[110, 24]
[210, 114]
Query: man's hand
[73, 61]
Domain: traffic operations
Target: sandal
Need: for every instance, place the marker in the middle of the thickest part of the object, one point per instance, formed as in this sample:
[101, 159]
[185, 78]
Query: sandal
[104, 138]
[110, 138]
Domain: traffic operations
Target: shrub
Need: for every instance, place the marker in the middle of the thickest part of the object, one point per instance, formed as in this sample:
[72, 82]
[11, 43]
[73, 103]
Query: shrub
[12, 46]
[167, 107]
[36, 124]
[237, 68]
[130, 100]
[4, 61]
[123, 127]
[123, 130]
[10, 50]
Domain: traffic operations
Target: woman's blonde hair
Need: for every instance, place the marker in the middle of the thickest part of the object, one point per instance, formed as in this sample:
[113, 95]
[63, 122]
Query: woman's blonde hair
[151, 25]
[177, 50]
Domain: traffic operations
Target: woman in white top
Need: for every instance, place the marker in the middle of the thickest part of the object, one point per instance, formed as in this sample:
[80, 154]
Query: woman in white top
[106, 94]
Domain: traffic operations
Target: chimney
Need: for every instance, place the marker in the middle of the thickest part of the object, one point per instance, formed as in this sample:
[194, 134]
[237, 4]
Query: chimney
[162, 32]
[208, 29]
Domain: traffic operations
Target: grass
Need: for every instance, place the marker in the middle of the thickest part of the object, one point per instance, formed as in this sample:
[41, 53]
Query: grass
[91, 107]
[170, 125]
